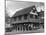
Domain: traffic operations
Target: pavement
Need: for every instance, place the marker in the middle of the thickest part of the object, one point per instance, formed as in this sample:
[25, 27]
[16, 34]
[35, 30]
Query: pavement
[24, 32]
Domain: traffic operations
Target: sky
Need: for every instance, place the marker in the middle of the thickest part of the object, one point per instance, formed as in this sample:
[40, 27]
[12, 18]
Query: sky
[13, 6]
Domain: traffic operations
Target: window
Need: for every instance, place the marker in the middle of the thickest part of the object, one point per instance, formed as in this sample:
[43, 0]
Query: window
[15, 18]
[25, 16]
[31, 15]
[34, 9]
[36, 16]
[19, 17]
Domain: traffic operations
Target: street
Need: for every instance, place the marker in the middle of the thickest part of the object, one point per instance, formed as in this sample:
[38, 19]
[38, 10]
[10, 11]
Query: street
[24, 32]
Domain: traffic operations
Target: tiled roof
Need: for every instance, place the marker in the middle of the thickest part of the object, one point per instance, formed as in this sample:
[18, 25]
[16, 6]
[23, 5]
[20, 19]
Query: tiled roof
[23, 11]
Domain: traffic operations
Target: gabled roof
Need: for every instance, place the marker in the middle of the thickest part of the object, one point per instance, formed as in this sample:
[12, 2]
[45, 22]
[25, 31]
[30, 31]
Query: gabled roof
[23, 11]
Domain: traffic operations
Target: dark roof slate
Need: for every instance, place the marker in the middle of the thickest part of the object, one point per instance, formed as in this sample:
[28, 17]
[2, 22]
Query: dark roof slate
[23, 11]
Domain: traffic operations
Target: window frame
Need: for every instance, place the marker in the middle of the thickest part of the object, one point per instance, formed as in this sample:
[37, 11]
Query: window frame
[31, 15]
[25, 16]
[19, 17]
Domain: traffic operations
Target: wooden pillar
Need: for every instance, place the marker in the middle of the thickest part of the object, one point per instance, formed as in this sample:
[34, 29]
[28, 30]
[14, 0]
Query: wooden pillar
[17, 28]
[28, 28]
[32, 26]
[22, 28]
[25, 28]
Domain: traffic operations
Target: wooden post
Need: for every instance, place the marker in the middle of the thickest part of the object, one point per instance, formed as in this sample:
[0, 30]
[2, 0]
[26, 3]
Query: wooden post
[25, 28]
[17, 28]
[28, 28]
[22, 28]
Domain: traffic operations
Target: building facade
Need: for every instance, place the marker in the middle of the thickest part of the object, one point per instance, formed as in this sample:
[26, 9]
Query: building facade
[26, 19]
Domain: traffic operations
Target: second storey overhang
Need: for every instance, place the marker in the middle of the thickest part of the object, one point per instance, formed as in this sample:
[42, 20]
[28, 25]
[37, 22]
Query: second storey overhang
[28, 20]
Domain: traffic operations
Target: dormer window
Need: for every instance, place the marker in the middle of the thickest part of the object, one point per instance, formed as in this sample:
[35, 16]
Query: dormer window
[31, 12]
[33, 8]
